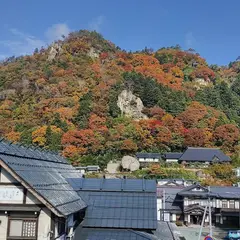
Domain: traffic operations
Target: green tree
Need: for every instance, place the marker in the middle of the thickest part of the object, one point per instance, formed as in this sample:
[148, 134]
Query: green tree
[84, 110]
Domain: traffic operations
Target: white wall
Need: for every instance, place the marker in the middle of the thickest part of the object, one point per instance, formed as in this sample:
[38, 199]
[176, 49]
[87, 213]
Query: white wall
[3, 226]
[6, 177]
[44, 224]
[30, 199]
[172, 160]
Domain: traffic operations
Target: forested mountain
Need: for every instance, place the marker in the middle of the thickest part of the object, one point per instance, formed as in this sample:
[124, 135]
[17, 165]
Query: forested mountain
[91, 100]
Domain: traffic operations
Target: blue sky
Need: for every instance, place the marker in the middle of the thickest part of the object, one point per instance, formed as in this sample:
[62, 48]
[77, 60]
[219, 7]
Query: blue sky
[209, 26]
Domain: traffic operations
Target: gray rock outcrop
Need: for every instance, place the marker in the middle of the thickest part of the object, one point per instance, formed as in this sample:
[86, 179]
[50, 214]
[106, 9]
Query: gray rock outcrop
[131, 105]
[55, 50]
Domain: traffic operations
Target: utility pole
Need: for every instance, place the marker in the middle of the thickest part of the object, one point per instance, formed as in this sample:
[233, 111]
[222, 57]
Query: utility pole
[210, 212]
[164, 204]
[203, 220]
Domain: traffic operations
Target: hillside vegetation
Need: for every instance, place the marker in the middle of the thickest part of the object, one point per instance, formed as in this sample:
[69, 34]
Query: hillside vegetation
[66, 97]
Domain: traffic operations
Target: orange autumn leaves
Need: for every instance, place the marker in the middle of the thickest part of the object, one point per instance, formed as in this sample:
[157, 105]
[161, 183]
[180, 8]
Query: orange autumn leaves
[190, 128]
[149, 66]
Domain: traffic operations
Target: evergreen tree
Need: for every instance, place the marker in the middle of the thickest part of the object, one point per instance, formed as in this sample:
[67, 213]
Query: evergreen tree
[84, 110]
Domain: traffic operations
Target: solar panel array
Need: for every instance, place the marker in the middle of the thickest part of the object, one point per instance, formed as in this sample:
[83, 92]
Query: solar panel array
[127, 185]
[118, 203]
[114, 234]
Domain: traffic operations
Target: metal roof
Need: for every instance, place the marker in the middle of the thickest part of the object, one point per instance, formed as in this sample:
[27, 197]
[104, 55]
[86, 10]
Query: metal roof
[173, 155]
[118, 203]
[46, 174]
[126, 185]
[148, 155]
[204, 155]
[173, 201]
[113, 234]
[215, 191]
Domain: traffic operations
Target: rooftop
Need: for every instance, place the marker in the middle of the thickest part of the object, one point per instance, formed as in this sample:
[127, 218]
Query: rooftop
[215, 191]
[118, 203]
[173, 155]
[44, 172]
[148, 155]
[204, 155]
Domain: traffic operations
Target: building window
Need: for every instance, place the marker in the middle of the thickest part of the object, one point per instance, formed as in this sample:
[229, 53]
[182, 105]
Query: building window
[224, 204]
[231, 204]
[22, 228]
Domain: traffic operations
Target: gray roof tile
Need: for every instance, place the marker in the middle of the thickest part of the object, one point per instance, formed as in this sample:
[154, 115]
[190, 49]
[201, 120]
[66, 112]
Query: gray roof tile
[204, 155]
[46, 173]
[128, 185]
[113, 234]
[118, 203]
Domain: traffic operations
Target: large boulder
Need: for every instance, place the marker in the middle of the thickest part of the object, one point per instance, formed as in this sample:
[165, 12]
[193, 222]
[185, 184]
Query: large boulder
[130, 163]
[113, 167]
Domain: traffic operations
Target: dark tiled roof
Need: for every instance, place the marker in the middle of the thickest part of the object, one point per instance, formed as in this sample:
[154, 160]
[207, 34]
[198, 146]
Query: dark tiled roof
[118, 203]
[204, 154]
[126, 185]
[113, 234]
[46, 173]
[173, 155]
[215, 191]
[148, 155]
[188, 191]
[225, 192]
[93, 168]
[173, 201]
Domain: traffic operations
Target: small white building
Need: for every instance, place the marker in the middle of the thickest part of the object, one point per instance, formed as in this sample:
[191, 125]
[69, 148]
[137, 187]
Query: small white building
[237, 171]
[148, 157]
[172, 157]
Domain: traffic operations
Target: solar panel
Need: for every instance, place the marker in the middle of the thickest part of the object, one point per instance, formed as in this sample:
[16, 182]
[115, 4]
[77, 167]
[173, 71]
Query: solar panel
[126, 185]
[113, 234]
[120, 209]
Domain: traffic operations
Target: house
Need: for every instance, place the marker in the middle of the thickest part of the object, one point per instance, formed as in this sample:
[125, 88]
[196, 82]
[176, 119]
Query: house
[175, 182]
[169, 203]
[172, 157]
[237, 171]
[36, 201]
[44, 197]
[224, 202]
[144, 158]
[203, 155]
[81, 169]
[91, 169]
[117, 208]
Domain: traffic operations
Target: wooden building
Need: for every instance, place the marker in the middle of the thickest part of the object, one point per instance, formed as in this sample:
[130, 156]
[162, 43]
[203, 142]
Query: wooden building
[36, 201]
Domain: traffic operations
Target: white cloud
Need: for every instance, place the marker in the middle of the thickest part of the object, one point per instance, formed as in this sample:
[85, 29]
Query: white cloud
[25, 43]
[190, 40]
[22, 43]
[56, 31]
[96, 23]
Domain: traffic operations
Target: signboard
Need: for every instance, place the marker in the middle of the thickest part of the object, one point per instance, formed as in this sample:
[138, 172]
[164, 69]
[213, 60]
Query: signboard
[208, 238]
[166, 217]
[11, 194]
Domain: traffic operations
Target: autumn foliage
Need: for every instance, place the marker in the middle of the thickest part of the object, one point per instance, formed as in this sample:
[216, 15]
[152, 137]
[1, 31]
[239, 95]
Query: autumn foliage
[70, 103]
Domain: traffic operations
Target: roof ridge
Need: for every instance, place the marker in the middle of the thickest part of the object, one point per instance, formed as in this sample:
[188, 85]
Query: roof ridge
[203, 148]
